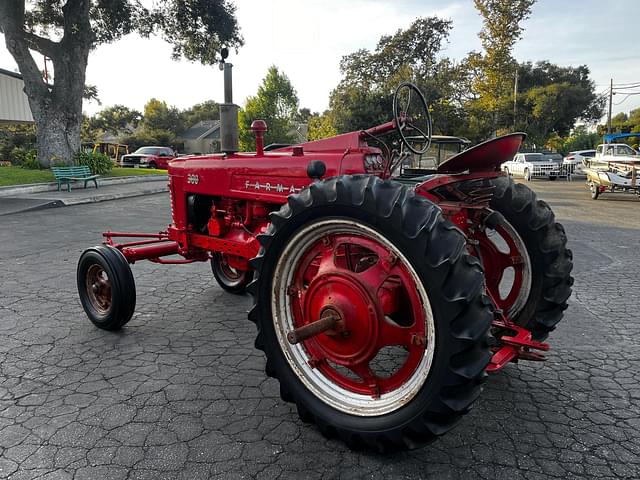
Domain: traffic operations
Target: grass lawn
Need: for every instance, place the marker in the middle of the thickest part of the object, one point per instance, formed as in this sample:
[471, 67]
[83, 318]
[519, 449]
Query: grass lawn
[129, 172]
[23, 176]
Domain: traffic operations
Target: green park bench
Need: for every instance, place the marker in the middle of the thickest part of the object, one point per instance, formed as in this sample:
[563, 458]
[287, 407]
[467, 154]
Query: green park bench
[66, 175]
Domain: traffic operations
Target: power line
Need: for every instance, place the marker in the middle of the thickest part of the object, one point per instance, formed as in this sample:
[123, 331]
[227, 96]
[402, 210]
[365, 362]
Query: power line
[622, 101]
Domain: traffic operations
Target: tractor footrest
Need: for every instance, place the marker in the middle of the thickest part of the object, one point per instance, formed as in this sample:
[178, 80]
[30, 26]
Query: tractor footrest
[515, 347]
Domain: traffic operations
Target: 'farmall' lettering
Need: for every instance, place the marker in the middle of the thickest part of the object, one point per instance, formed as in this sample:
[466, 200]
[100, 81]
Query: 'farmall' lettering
[268, 187]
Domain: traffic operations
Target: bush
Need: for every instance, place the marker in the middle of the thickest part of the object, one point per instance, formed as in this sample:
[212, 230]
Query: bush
[12, 136]
[17, 156]
[98, 163]
[31, 161]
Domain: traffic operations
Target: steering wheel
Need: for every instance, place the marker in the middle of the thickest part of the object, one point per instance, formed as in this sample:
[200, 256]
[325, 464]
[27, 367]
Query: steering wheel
[413, 120]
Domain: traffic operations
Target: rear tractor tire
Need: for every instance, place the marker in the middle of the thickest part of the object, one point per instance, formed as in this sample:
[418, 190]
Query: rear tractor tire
[106, 287]
[371, 313]
[230, 279]
[542, 303]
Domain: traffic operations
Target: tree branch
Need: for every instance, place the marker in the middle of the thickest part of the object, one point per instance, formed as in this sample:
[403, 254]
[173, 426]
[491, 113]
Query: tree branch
[12, 13]
[43, 45]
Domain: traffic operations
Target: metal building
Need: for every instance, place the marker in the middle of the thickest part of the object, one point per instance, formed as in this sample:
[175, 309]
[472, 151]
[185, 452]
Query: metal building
[14, 106]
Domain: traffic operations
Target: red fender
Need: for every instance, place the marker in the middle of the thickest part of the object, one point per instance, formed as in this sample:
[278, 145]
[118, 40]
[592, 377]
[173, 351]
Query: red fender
[486, 156]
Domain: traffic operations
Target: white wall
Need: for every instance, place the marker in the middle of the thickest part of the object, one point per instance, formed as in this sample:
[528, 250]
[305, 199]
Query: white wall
[14, 106]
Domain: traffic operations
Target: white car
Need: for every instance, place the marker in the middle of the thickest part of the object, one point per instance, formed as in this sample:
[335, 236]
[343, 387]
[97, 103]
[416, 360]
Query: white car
[531, 165]
[576, 161]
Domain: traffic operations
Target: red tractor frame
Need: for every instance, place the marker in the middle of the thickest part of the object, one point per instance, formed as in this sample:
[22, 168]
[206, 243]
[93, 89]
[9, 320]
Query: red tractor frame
[380, 301]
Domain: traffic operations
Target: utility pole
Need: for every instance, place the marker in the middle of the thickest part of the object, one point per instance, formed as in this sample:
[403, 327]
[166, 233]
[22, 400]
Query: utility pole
[515, 99]
[610, 102]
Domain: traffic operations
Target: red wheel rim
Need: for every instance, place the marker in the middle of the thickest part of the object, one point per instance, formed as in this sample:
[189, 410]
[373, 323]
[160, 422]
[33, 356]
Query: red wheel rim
[384, 336]
[507, 267]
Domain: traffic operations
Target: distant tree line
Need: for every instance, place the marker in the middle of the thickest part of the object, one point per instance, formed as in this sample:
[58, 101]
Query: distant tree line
[475, 97]
[158, 124]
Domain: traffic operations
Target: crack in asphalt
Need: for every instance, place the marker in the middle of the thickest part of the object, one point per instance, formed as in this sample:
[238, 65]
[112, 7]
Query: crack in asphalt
[181, 392]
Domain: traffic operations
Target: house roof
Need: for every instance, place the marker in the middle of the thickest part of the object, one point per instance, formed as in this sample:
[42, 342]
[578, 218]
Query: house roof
[10, 73]
[205, 129]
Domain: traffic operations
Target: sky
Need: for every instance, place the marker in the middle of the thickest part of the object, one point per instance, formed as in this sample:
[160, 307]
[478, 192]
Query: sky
[307, 38]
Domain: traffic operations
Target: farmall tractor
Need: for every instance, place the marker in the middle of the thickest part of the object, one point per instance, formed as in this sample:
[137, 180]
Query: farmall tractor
[381, 301]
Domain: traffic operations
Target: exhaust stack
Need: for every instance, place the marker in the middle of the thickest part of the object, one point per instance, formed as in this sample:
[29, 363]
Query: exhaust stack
[228, 110]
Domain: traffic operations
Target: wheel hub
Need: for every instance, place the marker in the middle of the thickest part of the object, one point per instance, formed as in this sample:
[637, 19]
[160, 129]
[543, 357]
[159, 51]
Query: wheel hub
[98, 286]
[354, 338]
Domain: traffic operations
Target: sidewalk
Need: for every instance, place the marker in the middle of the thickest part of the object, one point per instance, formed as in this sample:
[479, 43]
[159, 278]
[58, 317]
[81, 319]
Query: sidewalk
[23, 198]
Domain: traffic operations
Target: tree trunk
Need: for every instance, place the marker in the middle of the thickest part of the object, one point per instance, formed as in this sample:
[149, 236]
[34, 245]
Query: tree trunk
[57, 108]
[58, 135]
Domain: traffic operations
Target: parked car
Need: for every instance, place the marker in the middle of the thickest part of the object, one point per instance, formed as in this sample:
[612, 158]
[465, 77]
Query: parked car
[531, 165]
[576, 161]
[149, 157]
[553, 157]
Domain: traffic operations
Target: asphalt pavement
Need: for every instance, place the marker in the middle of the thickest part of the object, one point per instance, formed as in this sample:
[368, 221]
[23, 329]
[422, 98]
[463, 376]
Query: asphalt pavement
[18, 199]
[180, 392]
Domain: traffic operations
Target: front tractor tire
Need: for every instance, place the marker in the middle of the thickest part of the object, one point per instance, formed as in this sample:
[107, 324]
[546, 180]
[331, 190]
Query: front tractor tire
[371, 313]
[106, 287]
[230, 279]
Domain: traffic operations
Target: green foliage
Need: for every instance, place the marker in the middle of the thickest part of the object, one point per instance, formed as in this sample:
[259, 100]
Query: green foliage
[209, 110]
[142, 138]
[117, 119]
[17, 156]
[195, 28]
[276, 103]
[552, 108]
[625, 123]
[159, 116]
[31, 160]
[363, 96]
[12, 136]
[89, 133]
[90, 93]
[321, 126]
[580, 139]
[24, 157]
[472, 98]
[98, 163]
[501, 29]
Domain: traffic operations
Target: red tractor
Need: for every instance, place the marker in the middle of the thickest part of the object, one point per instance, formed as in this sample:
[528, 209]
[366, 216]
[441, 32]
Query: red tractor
[381, 301]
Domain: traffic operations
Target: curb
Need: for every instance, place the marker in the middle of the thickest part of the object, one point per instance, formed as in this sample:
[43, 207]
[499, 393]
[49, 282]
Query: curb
[55, 203]
[113, 196]
[52, 187]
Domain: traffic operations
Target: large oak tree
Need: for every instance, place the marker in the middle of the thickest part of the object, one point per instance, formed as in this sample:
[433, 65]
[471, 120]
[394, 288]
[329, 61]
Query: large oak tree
[67, 31]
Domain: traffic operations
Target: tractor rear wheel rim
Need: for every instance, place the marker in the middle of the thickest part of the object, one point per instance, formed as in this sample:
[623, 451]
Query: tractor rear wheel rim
[98, 286]
[345, 269]
[501, 249]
